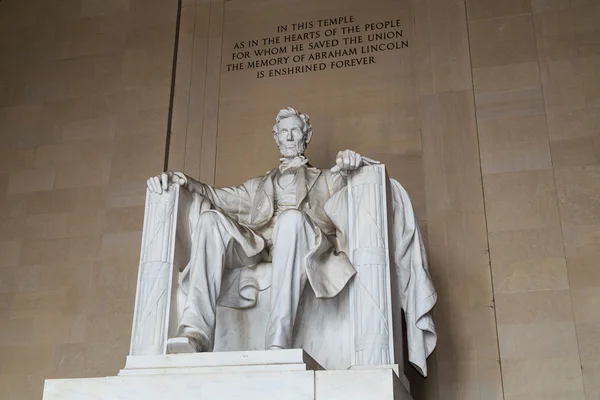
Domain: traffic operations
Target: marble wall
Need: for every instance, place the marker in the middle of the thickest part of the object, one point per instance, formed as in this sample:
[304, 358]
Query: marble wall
[84, 93]
[490, 117]
[536, 73]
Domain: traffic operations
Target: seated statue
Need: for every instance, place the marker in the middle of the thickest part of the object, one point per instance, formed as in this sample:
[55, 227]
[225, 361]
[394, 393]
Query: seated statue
[284, 220]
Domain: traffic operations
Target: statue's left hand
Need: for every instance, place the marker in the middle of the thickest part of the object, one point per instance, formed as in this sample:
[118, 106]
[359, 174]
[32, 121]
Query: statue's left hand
[349, 160]
[160, 184]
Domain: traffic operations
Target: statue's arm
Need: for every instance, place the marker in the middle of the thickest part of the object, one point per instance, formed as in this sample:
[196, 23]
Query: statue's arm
[232, 200]
[336, 181]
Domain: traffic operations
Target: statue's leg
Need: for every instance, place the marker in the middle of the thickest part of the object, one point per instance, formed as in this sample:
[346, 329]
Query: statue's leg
[294, 236]
[214, 249]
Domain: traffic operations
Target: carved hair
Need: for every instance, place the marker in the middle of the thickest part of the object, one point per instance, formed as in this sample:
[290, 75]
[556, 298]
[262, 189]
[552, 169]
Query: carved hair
[290, 112]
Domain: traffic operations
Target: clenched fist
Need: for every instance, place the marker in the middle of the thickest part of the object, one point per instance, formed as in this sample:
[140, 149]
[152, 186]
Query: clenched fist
[160, 183]
[349, 160]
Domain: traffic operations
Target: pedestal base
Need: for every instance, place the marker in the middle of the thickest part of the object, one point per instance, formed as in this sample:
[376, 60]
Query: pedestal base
[225, 362]
[251, 375]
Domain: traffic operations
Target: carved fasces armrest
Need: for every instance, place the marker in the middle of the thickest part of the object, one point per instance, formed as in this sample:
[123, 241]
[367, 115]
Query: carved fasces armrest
[368, 249]
[165, 251]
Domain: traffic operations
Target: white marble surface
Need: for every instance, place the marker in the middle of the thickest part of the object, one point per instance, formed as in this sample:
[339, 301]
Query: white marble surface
[163, 250]
[224, 362]
[394, 367]
[372, 384]
[289, 385]
[213, 370]
[368, 384]
[371, 290]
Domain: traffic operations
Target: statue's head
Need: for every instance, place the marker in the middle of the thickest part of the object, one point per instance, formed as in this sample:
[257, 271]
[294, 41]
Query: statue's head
[292, 132]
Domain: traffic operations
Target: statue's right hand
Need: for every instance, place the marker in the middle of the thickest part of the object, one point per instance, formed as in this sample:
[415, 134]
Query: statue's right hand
[160, 183]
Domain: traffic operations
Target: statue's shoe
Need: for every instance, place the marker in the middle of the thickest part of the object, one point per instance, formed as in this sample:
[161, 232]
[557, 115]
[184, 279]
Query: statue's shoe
[190, 341]
[183, 344]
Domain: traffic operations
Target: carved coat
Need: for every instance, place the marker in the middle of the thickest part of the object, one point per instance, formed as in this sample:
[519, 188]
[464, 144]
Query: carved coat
[322, 195]
[251, 205]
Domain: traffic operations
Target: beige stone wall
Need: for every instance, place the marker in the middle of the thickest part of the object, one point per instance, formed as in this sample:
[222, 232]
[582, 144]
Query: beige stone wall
[490, 119]
[536, 73]
[84, 92]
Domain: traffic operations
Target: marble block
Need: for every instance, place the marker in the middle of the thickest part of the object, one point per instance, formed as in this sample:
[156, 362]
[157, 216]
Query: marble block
[292, 385]
[226, 362]
[359, 384]
[276, 374]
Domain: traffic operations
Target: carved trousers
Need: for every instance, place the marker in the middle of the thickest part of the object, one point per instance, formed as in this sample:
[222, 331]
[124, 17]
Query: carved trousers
[294, 236]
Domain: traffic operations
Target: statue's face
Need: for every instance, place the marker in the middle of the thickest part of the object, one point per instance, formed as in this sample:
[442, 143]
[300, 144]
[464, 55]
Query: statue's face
[290, 138]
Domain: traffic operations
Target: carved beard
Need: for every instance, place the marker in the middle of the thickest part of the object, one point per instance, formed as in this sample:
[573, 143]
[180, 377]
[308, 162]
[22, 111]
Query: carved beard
[291, 152]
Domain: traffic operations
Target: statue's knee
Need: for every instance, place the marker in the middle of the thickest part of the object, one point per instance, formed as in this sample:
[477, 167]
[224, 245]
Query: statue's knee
[291, 218]
[209, 219]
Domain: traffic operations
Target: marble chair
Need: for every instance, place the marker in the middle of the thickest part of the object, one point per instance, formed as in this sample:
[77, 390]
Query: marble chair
[362, 326]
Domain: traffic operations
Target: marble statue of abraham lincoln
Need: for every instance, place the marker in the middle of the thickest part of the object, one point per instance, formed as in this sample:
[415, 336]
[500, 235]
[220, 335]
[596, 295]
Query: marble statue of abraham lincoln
[278, 218]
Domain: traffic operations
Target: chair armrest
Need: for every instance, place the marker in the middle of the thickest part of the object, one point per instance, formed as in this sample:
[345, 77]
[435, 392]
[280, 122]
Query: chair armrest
[165, 248]
[368, 247]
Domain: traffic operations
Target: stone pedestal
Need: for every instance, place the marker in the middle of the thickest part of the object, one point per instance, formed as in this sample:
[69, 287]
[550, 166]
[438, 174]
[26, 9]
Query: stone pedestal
[251, 375]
